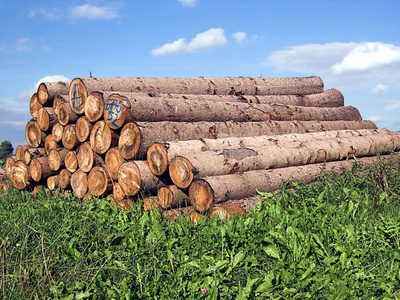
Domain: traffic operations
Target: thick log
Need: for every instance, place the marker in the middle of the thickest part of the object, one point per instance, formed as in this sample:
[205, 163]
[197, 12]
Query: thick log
[83, 128]
[151, 204]
[57, 132]
[94, 106]
[53, 182]
[9, 165]
[64, 178]
[130, 141]
[99, 182]
[79, 183]
[57, 158]
[171, 197]
[20, 150]
[20, 175]
[50, 143]
[69, 139]
[65, 114]
[48, 90]
[34, 105]
[129, 178]
[102, 138]
[213, 189]
[149, 182]
[113, 161]
[40, 169]
[183, 170]
[71, 161]
[60, 99]
[32, 153]
[46, 118]
[118, 192]
[34, 135]
[87, 159]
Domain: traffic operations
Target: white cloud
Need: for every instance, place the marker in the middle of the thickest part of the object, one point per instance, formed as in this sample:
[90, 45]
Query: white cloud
[91, 12]
[239, 36]
[188, 2]
[391, 104]
[20, 45]
[214, 37]
[375, 119]
[379, 89]
[49, 14]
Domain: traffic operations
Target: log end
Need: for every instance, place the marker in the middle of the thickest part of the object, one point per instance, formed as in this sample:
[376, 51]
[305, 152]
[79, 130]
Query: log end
[113, 161]
[77, 94]
[35, 169]
[33, 134]
[181, 171]
[62, 114]
[201, 195]
[43, 119]
[165, 197]
[114, 112]
[64, 178]
[79, 183]
[85, 157]
[129, 178]
[54, 160]
[157, 158]
[19, 175]
[42, 93]
[71, 161]
[100, 137]
[34, 105]
[129, 140]
[94, 106]
[97, 181]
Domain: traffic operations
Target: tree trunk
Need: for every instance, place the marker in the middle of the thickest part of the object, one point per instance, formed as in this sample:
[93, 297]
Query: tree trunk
[40, 169]
[20, 175]
[83, 128]
[57, 158]
[57, 132]
[171, 197]
[129, 141]
[71, 161]
[213, 189]
[34, 105]
[32, 153]
[52, 182]
[149, 182]
[50, 143]
[9, 165]
[20, 150]
[60, 99]
[183, 170]
[94, 106]
[99, 182]
[64, 178]
[69, 139]
[113, 161]
[102, 138]
[48, 90]
[46, 118]
[79, 183]
[65, 114]
[34, 135]
[87, 159]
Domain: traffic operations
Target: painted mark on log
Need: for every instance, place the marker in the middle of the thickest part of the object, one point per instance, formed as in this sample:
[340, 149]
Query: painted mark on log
[113, 108]
[76, 99]
[238, 154]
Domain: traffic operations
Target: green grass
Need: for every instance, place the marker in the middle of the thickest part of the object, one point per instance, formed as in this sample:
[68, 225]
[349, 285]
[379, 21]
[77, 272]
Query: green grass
[333, 239]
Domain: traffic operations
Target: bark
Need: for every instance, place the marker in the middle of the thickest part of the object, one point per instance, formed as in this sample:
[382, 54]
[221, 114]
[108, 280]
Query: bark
[83, 128]
[34, 105]
[113, 161]
[57, 158]
[174, 214]
[64, 178]
[65, 114]
[87, 159]
[71, 161]
[34, 135]
[99, 182]
[69, 139]
[129, 141]
[46, 118]
[50, 143]
[213, 189]
[60, 99]
[183, 170]
[32, 153]
[20, 175]
[9, 165]
[48, 90]
[57, 132]
[102, 138]
[52, 182]
[40, 169]
[171, 197]
[94, 106]
[79, 183]
[20, 150]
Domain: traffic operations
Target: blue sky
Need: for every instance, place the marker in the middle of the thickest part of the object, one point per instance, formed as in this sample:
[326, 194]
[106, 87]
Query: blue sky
[354, 46]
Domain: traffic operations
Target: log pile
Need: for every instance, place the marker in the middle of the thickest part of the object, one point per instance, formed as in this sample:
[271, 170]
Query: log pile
[189, 144]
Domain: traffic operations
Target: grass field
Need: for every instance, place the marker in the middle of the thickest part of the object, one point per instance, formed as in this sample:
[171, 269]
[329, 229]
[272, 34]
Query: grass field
[336, 238]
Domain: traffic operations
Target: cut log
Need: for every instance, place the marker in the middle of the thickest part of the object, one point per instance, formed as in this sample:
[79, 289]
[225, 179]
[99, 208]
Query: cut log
[195, 217]
[149, 182]
[48, 90]
[32, 153]
[57, 132]
[65, 114]
[60, 99]
[71, 161]
[232, 209]
[213, 189]
[79, 183]
[64, 178]
[99, 182]
[57, 158]
[52, 182]
[87, 159]
[151, 204]
[34, 105]
[171, 197]
[9, 165]
[129, 178]
[124, 204]
[20, 175]
[129, 141]
[69, 139]
[46, 118]
[40, 169]
[174, 214]
[118, 192]
[34, 135]
[113, 161]
[94, 106]
[20, 150]
[213, 163]
[83, 128]
[78, 94]
[117, 112]
[50, 143]
[102, 138]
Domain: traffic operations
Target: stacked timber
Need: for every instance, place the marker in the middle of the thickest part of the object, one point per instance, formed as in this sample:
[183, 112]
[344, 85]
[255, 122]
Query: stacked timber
[190, 144]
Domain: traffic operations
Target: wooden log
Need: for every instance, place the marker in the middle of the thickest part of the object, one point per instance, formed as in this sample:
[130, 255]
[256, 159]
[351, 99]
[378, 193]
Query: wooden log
[129, 178]
[149, 182]
[118, 192]
[183, 170]
[60, 99]
[79, 183]
[48, 90]
[102, 138]
[65, 114]
[71, 161]
[40, 169]
[171, 197]
[20, 150]
[57, 158]
[64, 178]
[46, 118]
[226, 210]
[69, 139]
[32, 153]
[99, 182]
[124, 204]
[151, 204]
[174, 214]
[34, 105]
[94, 106]
[57, 132]
[9, 165]
[83, 128]
[53, 182]
[50, 143]
[214, 189]
[113, 161]
[20, 176]
[130, 141]
[34, 135]
[87, 159]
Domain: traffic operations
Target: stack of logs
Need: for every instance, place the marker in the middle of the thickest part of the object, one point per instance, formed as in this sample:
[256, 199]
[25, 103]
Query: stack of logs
[191, 141]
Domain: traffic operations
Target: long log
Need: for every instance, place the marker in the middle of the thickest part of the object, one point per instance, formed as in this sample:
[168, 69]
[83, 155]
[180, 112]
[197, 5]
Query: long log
[40, 170]
[69, 139]
[20, 175]
[99, 182]
[64, 178]
[50, 143]
[46, 118]
[32, 153]
[34, 135]
[34, 105]
[171, 197]
[129, 141]
[113, 161]
[87, 159]
[79, 183]
[57, 132]
[159, 155]
[102, 138]
[83, 128]
[65, 115]
[48, 90]
[71, 161]
[57, 158]
[20, 150]
[184, 169]
[214, 189]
